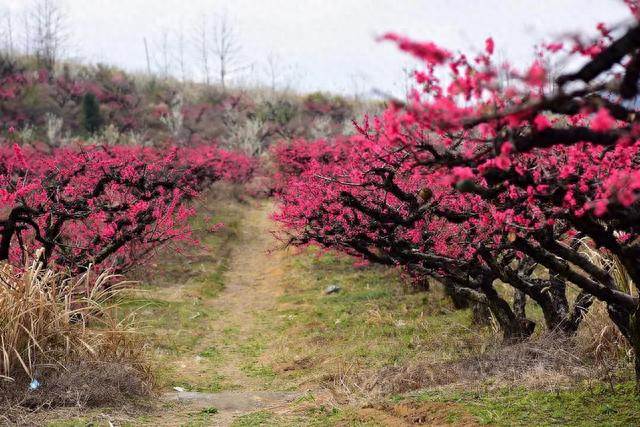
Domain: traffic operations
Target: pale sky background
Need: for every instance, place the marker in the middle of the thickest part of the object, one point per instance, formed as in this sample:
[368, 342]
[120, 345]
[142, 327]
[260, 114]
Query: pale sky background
[326, 44]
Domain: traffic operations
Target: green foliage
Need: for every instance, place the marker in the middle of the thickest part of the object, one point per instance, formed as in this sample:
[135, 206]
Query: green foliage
[91, 116]
[8, 65]
[336, 106]
[280, 112]
[318, 98]
[213, 96]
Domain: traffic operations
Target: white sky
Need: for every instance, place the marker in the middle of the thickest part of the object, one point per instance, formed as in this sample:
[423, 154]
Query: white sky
[326, 44]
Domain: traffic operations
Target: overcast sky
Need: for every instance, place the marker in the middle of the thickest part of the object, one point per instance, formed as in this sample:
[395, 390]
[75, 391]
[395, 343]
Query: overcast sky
[325, 44]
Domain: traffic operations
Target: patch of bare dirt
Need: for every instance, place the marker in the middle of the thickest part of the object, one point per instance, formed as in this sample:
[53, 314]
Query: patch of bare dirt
[415, 414]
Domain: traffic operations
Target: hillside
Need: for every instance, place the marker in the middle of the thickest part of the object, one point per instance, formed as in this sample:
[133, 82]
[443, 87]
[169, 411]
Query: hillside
[112, 106]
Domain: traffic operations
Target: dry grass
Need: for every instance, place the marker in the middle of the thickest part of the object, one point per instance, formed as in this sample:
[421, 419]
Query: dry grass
[543, 362]
[598, 338]
[600, 341]
[63, 332]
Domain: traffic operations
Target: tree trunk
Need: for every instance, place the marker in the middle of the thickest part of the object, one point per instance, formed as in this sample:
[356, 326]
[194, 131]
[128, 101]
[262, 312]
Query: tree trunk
[514, 329]
[460, 302]
[634, 339]
[480, 314]
[520, 304]
[580, 308]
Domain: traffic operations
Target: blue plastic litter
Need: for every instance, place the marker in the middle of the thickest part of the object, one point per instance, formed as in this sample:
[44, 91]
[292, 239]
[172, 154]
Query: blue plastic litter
[34, 385]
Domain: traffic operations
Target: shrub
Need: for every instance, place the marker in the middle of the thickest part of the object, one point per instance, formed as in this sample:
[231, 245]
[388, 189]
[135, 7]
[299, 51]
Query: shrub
[91, 116]
[280, 112]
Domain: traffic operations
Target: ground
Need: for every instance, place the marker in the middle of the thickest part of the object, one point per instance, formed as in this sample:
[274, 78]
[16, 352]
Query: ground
[241, 333]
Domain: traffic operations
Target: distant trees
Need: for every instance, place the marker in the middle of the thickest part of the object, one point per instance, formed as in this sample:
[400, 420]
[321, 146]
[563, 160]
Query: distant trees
[201, 44]
[6, 32]
[216, 44]
[43, 29]
[225, 48]
[164, 58]
[48, 32]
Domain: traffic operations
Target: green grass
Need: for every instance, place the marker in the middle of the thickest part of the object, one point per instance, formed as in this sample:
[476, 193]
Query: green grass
[598, 405]
[372, 322]
[255, 370]
[261, 418]
[211, 353]
[318, 417]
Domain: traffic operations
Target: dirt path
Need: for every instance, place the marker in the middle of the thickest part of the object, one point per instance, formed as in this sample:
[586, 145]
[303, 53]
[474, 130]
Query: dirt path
[234, 335]
[252, 285]
[242, 335]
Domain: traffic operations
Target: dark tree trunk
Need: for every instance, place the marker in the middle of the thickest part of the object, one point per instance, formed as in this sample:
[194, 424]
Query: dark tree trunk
[480, 314]
[552, 299]
[459, 301]
[514, 329]
[520, 304]
[581, 307]
[634, 340]
[422, 285]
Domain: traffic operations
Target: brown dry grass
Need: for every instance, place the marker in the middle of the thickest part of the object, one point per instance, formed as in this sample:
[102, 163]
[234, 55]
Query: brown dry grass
[545, 362]
[63, 332]
[600, 342]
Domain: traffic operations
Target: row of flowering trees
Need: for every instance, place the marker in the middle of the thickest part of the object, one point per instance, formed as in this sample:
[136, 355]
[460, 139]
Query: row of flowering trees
[478, 178]
[107, 206]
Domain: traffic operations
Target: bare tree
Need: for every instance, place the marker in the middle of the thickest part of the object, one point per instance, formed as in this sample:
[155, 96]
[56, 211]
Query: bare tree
[202, 47]
[180, 57]
[146, 53]
[47, 28]
[225, 48]
[7, 32]
[358, 83]
[163, 59]
[281, 77]
[273, 71]
[25, 21]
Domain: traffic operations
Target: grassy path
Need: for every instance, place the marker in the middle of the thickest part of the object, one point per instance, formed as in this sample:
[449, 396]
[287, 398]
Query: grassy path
[215, 357]
[249, 337]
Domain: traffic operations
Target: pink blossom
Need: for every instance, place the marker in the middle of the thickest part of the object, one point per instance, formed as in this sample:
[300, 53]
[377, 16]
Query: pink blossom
[489, 45]
[541, 122]
[602, 121]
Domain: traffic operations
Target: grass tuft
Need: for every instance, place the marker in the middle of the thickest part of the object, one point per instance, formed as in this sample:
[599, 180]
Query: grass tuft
[58, 334]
